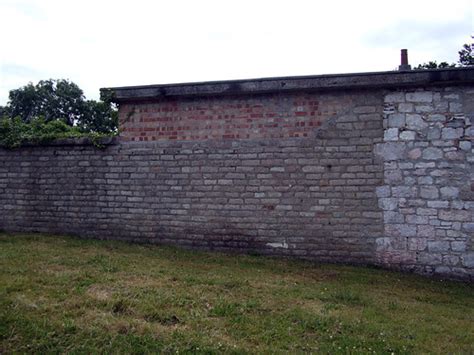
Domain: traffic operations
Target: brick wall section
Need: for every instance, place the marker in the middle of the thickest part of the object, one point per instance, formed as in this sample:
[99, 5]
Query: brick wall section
[428, 191]
[262, 116]
[311, 197]
[375, 176]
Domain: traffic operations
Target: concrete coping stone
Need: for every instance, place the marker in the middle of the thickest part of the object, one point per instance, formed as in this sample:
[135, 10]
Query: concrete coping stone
[333, 82]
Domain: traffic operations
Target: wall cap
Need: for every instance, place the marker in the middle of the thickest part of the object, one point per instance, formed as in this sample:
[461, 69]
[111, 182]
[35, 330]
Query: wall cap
[374, 80]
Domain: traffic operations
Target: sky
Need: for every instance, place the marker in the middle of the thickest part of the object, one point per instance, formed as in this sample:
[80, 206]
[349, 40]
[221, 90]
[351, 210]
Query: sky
[101, 43]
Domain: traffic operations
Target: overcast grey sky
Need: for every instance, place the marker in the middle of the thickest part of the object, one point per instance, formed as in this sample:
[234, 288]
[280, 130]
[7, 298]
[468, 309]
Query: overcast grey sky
[116, 43]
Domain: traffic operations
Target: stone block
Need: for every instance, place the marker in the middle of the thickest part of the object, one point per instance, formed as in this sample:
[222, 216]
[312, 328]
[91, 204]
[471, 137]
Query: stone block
[427, 211]
[388, 204]
[455, 215]
[455, 107]
[391, 243]
[425, 180]
[468, 227]
[430, 258]
[436, 117]
[465, 145]
[452, 133]
[313, 169]
[393, 217]
[426, 231]
[395, 97]
[468, 260]
[449, 192]
[414, 153]
[403, 191]
[414, 219]
[419, 96]
[393, 176]
[432, 154]
[455, 155]
[382, 191]
[396, 120]
[424, 108]
[405, 107]
[391, 150]
[417, 244]
[407, 135]
[415, 122]
[429, 192]
[400, 230]
[458, 246]
[433, 133]
[390, 134]
[438, 246]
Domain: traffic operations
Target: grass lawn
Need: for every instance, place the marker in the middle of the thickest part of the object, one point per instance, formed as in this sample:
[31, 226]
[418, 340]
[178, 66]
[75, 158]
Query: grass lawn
[62, 294]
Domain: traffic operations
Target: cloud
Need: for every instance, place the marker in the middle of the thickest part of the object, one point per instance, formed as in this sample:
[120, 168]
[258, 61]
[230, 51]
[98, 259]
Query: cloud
[115, 43]
[18, 70]
[434, 40]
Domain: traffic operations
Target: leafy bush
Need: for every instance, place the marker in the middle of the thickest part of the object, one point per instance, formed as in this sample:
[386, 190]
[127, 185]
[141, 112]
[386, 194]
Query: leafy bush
[14, 131]
[59, 99]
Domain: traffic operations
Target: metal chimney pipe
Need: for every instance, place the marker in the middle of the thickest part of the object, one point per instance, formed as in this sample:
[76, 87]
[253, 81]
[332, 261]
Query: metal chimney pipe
[404, 61]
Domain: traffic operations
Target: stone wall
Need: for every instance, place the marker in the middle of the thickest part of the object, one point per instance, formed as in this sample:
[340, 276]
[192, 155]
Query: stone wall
[428, 191]
[367, 169]
[310, 197]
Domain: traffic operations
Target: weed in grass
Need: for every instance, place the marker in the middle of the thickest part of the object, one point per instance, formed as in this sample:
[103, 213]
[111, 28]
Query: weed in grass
[164, 319]
[121, 306]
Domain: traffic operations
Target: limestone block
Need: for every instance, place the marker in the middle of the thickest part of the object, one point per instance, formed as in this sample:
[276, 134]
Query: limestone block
[391, 150]
[405, 107]
[458, 246]
[388, 204]
[407, 135]
[414, 153]
[396, 120]
[395, 97]
[449, 192]
[468, 260]
[455, 215]
[432, 154]
[415, 122]
[452, 133]
[429, 192]
[421, 96]
[382, 191]
[390, 134]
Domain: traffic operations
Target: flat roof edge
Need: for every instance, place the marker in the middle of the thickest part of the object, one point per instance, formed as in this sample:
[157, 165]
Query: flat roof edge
[374, 80]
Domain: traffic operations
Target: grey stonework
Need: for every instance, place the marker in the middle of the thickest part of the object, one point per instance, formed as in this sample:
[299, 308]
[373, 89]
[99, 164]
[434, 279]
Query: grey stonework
[387, 180]
[308, 197]
[435, 215]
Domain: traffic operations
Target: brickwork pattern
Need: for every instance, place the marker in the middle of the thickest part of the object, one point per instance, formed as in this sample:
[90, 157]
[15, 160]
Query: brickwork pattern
[264, 116]
[428, 194]
[311, 197]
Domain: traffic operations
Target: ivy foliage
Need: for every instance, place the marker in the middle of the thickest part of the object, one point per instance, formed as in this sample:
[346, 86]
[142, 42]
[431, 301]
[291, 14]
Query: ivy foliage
[15, 132]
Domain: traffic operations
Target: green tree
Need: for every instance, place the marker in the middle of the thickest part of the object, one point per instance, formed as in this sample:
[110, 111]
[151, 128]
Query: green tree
[435, 65]
[3, 111]
[62, 100]
[466, 59]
